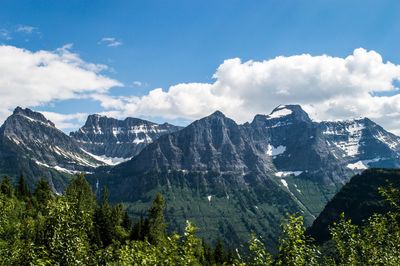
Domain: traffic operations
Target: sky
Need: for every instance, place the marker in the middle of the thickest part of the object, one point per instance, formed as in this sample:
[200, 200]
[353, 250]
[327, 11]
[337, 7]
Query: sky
[178, 61]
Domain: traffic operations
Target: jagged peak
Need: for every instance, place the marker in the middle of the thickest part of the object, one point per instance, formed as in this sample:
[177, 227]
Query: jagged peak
[32, 115]
[95, 119]
[216, 116]
[217, 113]
[290, 111]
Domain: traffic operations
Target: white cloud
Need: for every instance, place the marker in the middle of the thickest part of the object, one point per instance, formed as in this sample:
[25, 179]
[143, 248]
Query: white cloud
[66, 121]
[328, 87]
[26, 29]
[110, 42]
[36, 78]
[137, 83]
[5, 35]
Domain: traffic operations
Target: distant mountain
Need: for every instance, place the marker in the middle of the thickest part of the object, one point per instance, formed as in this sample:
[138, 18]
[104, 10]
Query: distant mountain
[358, 200]
[230, 179]
[240, 176]
[118, 140]
[210, 172]
[31, 145]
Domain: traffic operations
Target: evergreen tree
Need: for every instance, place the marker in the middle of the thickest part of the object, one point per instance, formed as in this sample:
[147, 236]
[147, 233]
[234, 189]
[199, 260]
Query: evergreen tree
[157, 225]
[126, 221]
[22, 190]
[140, 229]
[6, 187]
[80, 190]
[103, 221]
[208, 254]
[42, 193]
[219, 252]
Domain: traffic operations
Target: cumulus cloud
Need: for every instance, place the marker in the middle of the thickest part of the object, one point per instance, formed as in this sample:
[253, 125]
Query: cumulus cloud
[328, 88]
[35, 78]
[110, 42]
[66, 121]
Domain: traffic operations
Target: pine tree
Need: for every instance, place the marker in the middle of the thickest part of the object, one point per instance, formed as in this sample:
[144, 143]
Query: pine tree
[104, 227]
[126, 221]
[42, 193]
[219, 252]
[140, 229]
[6, 187]
[208, 253]
[157, 225]
[22, 189]
[80, 190]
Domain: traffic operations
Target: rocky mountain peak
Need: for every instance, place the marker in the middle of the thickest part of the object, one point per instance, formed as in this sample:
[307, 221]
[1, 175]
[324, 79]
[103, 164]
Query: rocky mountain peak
[282, 115]
[113, 138]
[32, 115]
[293, 111]
[217, 114]
[94, 119]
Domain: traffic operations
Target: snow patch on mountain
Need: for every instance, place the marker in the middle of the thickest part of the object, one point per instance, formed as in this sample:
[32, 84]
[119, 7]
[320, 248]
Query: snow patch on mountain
[35, 121]
[107, 160]
[288, 173]
[351, 132]
[280, 112]
[362, 165]
[285, 183]
[392, 144]
[58, 168]
[274, 151]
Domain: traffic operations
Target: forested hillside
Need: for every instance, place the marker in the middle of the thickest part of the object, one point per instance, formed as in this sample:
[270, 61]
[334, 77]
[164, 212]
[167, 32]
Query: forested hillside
[41, 228]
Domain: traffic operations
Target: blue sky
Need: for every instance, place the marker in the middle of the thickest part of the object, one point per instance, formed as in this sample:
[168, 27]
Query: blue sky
[158, 44]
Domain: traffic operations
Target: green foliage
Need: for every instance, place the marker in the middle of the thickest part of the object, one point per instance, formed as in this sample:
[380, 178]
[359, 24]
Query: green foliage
[258, 253]
[73, 229]
[295, 248]
[22, 188]
[66, 235]
[6, 187]
[157, 226]
[42, 194]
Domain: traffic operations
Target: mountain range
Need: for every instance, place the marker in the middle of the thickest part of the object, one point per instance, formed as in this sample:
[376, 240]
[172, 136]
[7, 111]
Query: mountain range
[229, 178]
[246, 177]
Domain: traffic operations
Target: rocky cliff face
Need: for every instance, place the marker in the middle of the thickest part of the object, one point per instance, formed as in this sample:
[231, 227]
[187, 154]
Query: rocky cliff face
[230, 179]
[123, 139]
[282, 160]
[31, 145]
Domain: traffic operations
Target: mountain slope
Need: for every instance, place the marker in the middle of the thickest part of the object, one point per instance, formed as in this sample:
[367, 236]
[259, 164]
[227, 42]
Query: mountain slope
[112, 138]
[358, 200]
[31, 145]
[216, 170]
[210, 172]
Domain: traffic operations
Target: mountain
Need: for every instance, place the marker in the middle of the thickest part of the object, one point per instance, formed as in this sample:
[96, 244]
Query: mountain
[118, 140]
[210, 172]
[232, 179]
[362, 143]
[358, 200]
[32, 145]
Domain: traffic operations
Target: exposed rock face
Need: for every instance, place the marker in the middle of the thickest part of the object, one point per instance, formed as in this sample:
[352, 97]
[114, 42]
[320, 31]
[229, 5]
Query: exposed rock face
[282, 160]
[31, 145]
[230, 179]
[114, 138]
